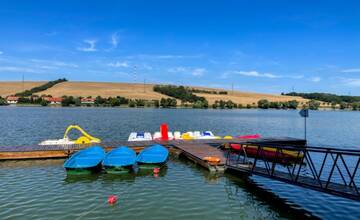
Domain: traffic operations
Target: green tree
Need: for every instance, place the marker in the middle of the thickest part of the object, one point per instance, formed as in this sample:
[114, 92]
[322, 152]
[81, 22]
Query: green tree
[67, 101]
[44, 102]
[229, 104]
[132, 103]
[3, 101]
[156, 103]
[99, 100]
[77, 101]
[263, 103]
[293, 104]
[114, 102]
[343, 105]
[355, 106]
[140, 102]
[313, 105]
[333, 105]
[276, 105]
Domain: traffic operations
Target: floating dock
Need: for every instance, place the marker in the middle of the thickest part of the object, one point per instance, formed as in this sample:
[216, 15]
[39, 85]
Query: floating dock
[194, 150]
[309, 170]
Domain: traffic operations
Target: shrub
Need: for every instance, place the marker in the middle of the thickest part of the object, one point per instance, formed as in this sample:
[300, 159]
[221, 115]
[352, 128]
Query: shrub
[132, 103]
[44, 102]
[313, 105]
[263, 103]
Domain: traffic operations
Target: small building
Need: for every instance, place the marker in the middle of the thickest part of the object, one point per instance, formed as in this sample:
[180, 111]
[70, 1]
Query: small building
[12, 99]
[53, 101]
[87, 101]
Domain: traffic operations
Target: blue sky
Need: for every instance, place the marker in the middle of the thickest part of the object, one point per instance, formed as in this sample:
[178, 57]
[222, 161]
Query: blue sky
[262, 46]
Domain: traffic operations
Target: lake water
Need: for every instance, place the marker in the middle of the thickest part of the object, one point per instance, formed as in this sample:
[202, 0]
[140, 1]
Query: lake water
[41, 189]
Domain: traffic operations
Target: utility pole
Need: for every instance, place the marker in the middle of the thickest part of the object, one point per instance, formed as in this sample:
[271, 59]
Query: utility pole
[135, 77]
[144, 85]
[232, 88]
[23, 81]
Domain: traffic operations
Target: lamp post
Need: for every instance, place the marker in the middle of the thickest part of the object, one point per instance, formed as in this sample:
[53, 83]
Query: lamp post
[305, 114]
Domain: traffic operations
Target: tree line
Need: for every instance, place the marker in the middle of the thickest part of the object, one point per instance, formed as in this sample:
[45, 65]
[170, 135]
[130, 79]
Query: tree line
[265, 104]
[179, 92]
[326, 97]
[208, 91]
[3, 101]
[41, 88]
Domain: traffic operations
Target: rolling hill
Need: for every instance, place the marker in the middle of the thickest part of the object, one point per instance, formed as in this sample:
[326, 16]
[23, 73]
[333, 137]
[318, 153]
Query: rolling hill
[134, 91]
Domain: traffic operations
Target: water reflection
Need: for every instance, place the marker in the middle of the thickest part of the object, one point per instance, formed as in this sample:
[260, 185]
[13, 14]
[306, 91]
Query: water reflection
[234, 188]
[108, 177]
[81, 178]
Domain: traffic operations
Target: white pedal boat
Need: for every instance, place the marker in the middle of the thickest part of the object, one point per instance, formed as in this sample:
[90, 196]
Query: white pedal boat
[157, 136]
[196, 135]
[140, 136]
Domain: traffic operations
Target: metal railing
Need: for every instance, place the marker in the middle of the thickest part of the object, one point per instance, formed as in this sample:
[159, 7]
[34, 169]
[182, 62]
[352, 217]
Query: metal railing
[329, 170]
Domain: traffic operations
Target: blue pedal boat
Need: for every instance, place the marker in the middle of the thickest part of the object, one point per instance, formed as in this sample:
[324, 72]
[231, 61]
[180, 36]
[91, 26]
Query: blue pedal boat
[85, 161]
[119, 160]
[152, 156]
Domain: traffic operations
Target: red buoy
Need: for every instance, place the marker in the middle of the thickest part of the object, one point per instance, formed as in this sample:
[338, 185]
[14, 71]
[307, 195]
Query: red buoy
[156, 170]
[112, 199]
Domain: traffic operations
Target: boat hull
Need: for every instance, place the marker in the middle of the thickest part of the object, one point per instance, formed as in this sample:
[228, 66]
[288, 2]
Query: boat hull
[118, 170]
[150, 166]
[152, 156]
[269, 153]
[119, 160]
[85, 161]
[80, 171]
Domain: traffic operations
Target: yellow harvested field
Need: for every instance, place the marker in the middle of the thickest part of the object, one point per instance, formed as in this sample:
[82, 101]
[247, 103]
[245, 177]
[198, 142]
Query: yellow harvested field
[10, 88]
[103, 89]
[249, 98]
[245, 98]
[135, 91]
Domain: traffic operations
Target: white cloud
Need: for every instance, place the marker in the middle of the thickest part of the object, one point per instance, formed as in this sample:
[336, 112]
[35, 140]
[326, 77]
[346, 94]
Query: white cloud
[315, 79]
[354, 70]
[179, 69]
[47, 67]
[114, 40]
[256, 74]
[16, 69]
[91, 46]
[192, 71]
[147, 67]
[54, 63]
[198, 72]
[352, 82]
[119, 64]
[162, 56]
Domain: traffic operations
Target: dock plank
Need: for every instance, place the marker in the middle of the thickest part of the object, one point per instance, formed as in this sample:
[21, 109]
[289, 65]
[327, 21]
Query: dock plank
[58, 151]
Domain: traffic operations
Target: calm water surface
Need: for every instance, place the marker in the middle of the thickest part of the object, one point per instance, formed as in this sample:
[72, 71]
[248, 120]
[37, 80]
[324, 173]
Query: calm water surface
[41, 189]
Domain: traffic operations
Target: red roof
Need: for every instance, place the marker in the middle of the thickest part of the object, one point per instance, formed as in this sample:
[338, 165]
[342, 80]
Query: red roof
[88, 100]
[12, 98]
[51, 99]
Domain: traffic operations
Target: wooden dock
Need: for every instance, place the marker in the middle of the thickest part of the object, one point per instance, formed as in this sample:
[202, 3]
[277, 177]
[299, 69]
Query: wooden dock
[194, 150]
[197, 153]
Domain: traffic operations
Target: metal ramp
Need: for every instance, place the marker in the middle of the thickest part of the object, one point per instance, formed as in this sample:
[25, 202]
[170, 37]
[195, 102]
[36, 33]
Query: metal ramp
[329, 170]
